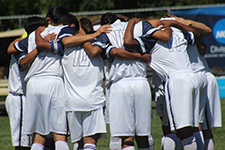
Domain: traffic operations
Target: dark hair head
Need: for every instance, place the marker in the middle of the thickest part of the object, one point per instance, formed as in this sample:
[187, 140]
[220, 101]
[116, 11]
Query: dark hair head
[108, 18]
[86, 25]
[55, 13]
[69, 19]
[33, 23]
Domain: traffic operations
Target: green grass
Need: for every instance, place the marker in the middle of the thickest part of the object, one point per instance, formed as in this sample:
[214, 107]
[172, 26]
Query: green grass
[219, 133]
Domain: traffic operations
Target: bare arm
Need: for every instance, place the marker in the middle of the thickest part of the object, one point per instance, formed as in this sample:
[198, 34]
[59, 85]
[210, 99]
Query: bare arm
[81, 38]
[92, 50]
[123, 54]
[28, 59]
[11, 49]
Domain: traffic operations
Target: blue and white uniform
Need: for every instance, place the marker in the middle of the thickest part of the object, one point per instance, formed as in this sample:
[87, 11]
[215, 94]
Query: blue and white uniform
[129, 93]
[83, 77]
[171, 63]
[45, 103]
[15, 101]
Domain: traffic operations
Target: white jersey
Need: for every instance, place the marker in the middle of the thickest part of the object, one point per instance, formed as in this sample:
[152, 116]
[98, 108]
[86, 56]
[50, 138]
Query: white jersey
[121, 68]
[168, 57]
[45, 64]
[83, 77]
[16, 84]
[195, 60]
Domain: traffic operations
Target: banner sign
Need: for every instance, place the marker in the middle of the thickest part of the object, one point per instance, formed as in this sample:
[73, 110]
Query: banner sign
[213, 17]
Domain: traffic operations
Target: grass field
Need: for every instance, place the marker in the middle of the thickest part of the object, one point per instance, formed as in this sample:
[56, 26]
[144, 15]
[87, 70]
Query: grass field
[219, 133]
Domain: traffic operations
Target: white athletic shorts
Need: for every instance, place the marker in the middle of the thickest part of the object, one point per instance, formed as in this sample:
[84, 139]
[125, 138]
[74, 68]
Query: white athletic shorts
[83, 124]
[201, 92]
[15, 108]
[45, 111]
[130, 107]
[181, 102]
[212, 113]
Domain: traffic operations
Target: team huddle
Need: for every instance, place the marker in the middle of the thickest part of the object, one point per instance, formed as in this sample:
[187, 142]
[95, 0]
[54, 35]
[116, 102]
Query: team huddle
[57, 73]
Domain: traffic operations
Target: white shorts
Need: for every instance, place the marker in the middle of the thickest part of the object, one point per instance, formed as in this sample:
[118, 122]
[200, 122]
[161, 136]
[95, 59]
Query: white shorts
[181, 100]
[130, 107]
[83, 124]
[212, 113]
[201, 92]
[15, 108]
[45, 111]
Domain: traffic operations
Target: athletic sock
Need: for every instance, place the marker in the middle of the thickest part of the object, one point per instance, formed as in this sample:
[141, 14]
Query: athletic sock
[199, 140]
[129, 148]
[151, 142]
[169, 142]
[89, 146]
[189, 143]
[37, 146]
[115, 143]
[209, 144]
[75, 146]
[61, 145]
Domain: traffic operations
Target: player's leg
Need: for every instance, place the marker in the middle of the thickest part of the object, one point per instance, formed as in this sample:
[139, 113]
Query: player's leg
[39, 141]
[127, 142]
[115, 143]
[208, 138]
[60, 142]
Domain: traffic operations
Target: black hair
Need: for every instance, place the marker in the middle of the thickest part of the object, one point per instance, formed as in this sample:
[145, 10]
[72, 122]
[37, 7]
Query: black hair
[108, 18]
[69, 19]
[33, 23]
[55, 13]
[86, 25]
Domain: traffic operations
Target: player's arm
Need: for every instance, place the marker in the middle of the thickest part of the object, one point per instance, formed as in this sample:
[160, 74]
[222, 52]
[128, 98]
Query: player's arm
[124, 54]
[92, 50]
[203, 29]
[43, 43]
[81, 38]
[180, 26]
[11, 49]
[28, 59]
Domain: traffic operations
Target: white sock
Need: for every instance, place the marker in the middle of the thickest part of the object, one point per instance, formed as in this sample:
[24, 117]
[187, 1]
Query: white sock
[199, 140]
[151, 142]
[75, 146]
[169, 142]
[89, 146]
[37, 146]
[189, 143]
[61, 145]
[115, 143]
[129, 148]
[209, 144]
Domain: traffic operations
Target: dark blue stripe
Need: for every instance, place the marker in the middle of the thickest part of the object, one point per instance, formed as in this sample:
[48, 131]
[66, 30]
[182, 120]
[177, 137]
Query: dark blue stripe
[21, 118]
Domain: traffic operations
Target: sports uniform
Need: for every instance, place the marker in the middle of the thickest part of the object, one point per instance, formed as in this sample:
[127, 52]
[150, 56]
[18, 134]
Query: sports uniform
[45, 111]
[129, 93]
[16, 98]
[83, 76]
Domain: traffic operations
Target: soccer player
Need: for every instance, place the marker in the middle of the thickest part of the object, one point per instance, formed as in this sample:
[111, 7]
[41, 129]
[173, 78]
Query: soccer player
[171, 62]
[17, 87]
[45, 111]
[129, 107]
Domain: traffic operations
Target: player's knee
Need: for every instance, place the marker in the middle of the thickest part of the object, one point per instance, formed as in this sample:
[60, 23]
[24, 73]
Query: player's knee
[127, 143]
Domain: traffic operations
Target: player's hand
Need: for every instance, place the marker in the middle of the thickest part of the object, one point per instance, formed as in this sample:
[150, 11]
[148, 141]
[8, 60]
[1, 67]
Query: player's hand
[134, 20]
[166, 23]
[146, 58]
[105, 29]
[50, 37]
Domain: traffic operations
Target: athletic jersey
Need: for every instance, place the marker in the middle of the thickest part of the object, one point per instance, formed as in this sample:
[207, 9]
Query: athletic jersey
[16, 84]
[83, 77]
[195, 60]
[168, 57]
[205, 63]
[45, 64]
[121, 68]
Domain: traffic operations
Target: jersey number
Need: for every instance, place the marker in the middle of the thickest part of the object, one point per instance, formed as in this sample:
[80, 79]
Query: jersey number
[81, 59]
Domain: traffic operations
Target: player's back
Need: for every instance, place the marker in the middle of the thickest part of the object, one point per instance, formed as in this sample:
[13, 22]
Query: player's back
[45, 64]
[170, 57]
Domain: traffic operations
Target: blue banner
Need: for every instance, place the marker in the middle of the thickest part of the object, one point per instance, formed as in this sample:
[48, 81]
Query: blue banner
[213, 17]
